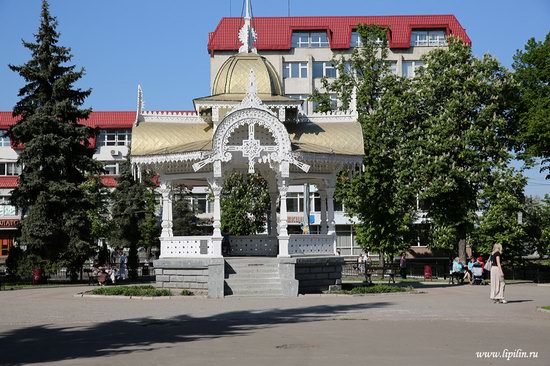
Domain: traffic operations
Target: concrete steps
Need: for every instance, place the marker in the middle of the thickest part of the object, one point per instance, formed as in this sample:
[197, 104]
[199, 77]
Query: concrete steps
[257, 276]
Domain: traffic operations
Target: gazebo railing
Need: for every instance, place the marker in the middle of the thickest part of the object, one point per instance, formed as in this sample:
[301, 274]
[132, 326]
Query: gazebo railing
[311, 244]
[186, 246]
[254, 245]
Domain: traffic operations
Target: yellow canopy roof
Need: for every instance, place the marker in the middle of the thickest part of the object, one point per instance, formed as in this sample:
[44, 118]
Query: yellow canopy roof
[154, 138]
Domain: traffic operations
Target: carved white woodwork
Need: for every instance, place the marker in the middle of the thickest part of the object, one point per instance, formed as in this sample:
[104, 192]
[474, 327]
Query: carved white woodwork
[252, 112]
[166, 191]
[247, 34]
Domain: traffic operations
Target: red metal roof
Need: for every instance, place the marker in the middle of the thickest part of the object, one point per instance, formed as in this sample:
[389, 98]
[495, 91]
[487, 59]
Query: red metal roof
[275, 33]
[117, 119]
[9, 181]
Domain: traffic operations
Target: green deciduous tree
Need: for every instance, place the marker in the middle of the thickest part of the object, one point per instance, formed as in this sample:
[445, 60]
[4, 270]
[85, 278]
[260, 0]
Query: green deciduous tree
[465, 132]
[380, 197]
[133, 214]
[500, 203]
[537, 225]
[184, 220]
[57, 154]
[532, 72]
[244, 204]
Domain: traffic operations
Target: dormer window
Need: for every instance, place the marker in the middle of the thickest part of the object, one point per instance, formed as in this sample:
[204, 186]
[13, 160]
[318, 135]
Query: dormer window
[356, 40]
[314, 39]
[4, 138]
[428, 38]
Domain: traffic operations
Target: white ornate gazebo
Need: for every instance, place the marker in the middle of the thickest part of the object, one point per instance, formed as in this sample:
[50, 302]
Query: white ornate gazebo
[247, 125]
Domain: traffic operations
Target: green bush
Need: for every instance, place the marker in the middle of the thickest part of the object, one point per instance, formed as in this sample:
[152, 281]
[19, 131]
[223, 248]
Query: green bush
[377, 289]
[186, 293]
[131, 291]
[546, 307]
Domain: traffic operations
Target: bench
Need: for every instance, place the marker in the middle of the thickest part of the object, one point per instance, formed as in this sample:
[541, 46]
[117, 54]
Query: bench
[380, 272]
[456, 276]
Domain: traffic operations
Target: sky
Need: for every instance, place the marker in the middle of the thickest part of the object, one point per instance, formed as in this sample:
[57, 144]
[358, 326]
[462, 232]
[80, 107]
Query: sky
[162, 44]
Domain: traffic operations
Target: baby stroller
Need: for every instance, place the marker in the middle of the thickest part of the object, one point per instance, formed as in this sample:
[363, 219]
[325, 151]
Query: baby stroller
[477, 275]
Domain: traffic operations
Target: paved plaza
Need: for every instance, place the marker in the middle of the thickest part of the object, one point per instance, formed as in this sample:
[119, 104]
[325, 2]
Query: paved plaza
[441, 326]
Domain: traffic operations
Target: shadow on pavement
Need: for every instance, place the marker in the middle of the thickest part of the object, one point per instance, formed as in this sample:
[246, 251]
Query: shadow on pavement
[48, 343]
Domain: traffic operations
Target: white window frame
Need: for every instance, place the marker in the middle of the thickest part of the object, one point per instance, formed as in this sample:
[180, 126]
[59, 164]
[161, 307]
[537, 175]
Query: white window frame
[111, 164]
[295, 69]
[114, 137]
[310, 39]
[10, 169]
[415, 64]
[4, 139]
[6, 208]
[429, 38]
[326, 66]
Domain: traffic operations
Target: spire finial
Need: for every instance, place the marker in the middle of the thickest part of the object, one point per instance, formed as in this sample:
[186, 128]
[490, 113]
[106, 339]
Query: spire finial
[247, 34]
[139, 105]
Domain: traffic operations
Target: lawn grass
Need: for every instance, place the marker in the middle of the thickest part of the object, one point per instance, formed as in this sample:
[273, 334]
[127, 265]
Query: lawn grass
[377, 289]
[545, 308]
[148, 291]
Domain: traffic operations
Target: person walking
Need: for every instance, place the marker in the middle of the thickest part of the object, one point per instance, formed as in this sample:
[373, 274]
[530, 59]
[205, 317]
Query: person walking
[122, 265]
[497, 275]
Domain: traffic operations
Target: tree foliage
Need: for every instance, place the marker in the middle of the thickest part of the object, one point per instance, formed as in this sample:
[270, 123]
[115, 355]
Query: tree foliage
[532, 72]
[501, 202]
[380, 197]
[134, 222]
[57, 155]
[184, 220]
[537, 225]
[464, 129]
[244, 204]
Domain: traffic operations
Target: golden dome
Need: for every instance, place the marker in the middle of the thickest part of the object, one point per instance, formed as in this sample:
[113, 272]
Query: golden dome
[232, 78]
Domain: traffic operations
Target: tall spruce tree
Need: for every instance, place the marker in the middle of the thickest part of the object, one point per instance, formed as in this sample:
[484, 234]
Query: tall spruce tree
[57, 154]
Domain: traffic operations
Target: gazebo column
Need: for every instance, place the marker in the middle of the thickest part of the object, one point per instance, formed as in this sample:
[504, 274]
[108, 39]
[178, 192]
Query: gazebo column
[273, 218]
[331, 223]
[323, 195]
[216, 185]
[283, 219]
[166, 191]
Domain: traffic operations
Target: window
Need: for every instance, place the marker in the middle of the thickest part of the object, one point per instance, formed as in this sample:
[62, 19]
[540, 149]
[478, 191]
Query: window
[410, 67]
[315, 202]
[121, 137]
[356, 40]
[9, 169]
[323, 69]
[301, 39]
[295, 202]
[4, 138]
[393, 67]
[6, 209]
[111, 168]
[201, 204]
[294, 70]
[425, 38]
[303, 97]
[333, 103]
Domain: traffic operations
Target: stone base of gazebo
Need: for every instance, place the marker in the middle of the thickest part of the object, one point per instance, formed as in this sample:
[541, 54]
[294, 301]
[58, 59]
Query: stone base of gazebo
[207, 275]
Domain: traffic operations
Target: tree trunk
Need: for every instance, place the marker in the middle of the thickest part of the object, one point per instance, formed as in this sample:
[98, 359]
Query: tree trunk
[462, 249]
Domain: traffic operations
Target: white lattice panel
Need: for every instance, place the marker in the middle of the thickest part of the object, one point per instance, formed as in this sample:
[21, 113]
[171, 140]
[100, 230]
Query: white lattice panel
[311, 244]
[259, 245]
[185, 246]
